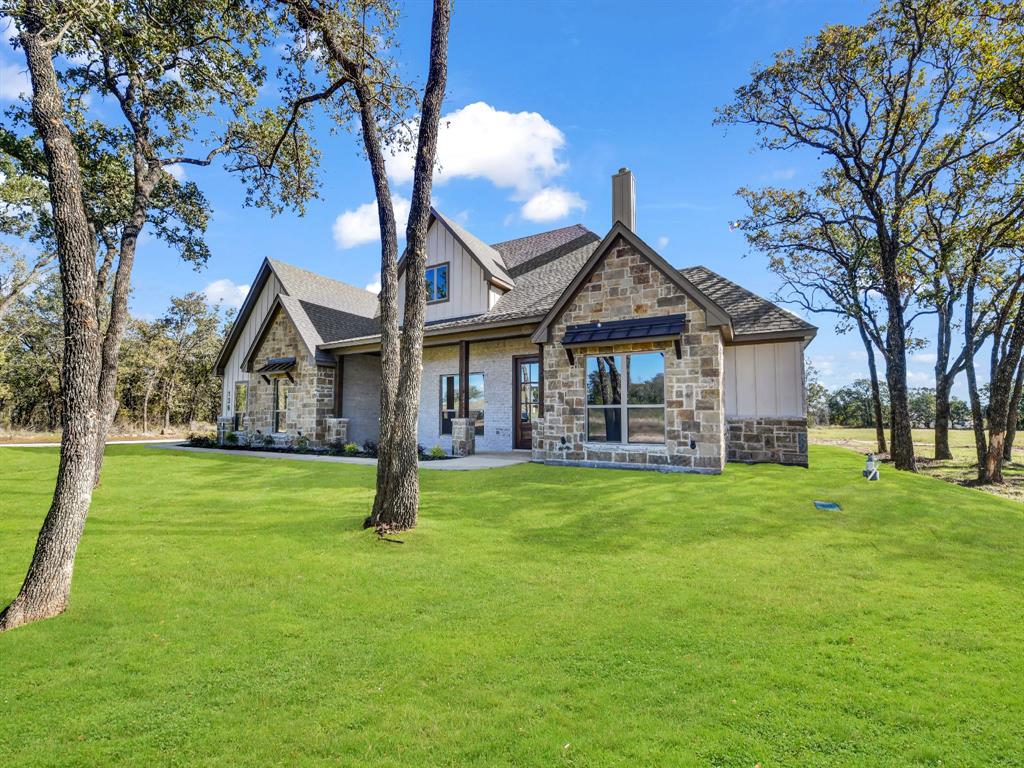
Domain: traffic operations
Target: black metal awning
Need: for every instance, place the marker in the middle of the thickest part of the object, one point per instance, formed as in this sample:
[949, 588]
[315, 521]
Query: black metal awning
[278, 365]
[635, 329]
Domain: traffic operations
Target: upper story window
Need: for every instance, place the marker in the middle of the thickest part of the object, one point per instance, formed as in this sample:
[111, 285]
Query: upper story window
[437, 283]
[626, 398]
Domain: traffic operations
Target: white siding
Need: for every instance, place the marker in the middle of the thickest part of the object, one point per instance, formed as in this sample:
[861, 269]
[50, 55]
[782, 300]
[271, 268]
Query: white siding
[467, 283]
[233, 369]
[764, 380]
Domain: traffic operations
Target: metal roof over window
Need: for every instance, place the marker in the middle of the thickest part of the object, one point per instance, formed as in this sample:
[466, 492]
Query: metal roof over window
[624, 330]
[278, 365]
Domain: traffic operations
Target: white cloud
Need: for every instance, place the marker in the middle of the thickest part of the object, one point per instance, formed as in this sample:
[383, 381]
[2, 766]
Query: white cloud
[920, 378]
[374, 287]
[924, 357]
[361, 225]
[513, 150]
[177, 171]
[662, 242]
[226, 292]
[552, 203]
[14, 81]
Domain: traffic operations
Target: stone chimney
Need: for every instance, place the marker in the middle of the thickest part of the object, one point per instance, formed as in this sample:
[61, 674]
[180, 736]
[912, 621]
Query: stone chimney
[624, 198]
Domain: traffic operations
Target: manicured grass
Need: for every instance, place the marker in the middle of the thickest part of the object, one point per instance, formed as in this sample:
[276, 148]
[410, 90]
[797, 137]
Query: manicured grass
[961, 469]
[230, 611]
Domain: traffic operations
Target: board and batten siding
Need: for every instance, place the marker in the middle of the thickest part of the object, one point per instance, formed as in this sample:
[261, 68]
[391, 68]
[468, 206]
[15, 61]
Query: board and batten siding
[233, 372]
[765, 380]
[467, 283]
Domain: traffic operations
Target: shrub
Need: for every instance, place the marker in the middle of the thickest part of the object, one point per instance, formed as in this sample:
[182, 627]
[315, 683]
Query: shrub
[301, 443]
[197, 440]
[231, 438]
[437, 452]
[268, 441]
[371, 449]
[351, 449]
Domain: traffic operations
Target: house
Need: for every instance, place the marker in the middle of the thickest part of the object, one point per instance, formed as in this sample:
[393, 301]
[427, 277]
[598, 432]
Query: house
[583, 349]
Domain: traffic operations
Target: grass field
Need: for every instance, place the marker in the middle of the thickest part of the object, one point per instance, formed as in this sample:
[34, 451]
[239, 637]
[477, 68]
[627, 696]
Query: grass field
[961, 469]
[231, 611]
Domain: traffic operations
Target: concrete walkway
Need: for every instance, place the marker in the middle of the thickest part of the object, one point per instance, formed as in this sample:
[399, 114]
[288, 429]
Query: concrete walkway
[109, 442]
[477, 461]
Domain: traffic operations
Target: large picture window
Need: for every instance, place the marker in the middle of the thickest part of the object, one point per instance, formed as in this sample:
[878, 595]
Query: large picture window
[626, 398]
[437, 283]
[241, 403]
[282, 388]
[450, 401]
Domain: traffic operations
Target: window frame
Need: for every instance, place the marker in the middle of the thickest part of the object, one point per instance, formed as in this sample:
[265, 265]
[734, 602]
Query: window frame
[237, 419]
[279, 409]
[478, 427]
[448, 286]
[624, 406]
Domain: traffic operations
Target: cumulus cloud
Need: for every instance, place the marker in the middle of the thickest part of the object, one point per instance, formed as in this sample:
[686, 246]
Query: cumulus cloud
[374, 286]
[552, 203]
[227, 292]
[14, 82]
[662, 242]
[924, 357]
[177, 171]
[361, 225]
[517, 150]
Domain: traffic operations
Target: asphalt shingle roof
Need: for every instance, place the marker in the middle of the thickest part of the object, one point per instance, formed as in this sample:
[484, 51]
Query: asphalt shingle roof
[750, 313]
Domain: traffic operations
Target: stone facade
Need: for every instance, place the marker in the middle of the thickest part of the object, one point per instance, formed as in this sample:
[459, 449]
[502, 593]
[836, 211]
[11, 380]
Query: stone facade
[463, 437]
[310, 398]
[779, 441]
[622, 286]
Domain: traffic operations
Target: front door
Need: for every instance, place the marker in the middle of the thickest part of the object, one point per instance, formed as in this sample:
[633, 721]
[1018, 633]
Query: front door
[527, 399]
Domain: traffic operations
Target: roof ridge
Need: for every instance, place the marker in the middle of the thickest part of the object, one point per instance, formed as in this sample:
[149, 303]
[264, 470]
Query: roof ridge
[539, 234]
[275, 261]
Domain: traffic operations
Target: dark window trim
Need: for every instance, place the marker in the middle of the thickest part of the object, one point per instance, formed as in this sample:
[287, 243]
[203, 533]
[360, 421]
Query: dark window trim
[517, 406]
[279, 410]
[237, 420]
[447, 266]
[455, 410]
[624, 406]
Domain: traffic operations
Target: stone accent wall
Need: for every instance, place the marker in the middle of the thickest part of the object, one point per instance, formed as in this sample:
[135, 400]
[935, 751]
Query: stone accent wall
[779, 441]
[336, 431]
[311, 398]
[625, 285]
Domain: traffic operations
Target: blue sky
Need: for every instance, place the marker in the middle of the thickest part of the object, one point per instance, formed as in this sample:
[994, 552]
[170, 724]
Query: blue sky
[548, 100]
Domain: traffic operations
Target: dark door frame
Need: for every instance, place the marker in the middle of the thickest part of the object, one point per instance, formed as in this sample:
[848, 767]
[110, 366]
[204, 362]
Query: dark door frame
[517, 361]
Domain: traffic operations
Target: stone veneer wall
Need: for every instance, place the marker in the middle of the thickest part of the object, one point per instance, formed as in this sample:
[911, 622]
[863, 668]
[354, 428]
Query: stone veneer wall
[312, 395]
[758, 439]
[626, 285]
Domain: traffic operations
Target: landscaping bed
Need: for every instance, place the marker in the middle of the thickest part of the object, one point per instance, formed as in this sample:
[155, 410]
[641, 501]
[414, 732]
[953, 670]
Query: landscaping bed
[268, 444]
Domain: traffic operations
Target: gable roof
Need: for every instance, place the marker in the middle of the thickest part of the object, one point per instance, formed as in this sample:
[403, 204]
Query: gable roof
[716, 315]
[521, 254]
[488, 258]
[319, 307]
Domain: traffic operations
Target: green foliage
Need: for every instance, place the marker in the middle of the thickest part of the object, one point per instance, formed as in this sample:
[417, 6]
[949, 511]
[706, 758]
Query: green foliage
[740, 627]
[437, 452]
[231, 438]
[350, 449]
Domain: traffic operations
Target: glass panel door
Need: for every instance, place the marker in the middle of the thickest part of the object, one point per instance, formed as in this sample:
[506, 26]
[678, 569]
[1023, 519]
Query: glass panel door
[527, 397]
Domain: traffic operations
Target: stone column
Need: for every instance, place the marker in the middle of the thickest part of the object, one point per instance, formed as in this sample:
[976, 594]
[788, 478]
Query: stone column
[224, 425]
[538, 440]
[337, 430]
[463, 437]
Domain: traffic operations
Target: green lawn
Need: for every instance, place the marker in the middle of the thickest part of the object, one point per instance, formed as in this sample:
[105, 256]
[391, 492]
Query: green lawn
[231, 611]
[961, 469]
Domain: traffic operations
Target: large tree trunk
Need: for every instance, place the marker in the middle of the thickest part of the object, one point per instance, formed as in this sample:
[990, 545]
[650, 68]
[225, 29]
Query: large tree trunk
[901, 444]
[1005, 363]
[943, 387]
[145, 180]
[47, 586]
[398, 510]
[1014, 413]
[876, 392]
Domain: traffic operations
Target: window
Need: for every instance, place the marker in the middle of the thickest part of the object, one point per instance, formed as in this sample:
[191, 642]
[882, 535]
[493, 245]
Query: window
[437, 283]
[282, 389]
[241, 402]
[450, 401]
[626, 398]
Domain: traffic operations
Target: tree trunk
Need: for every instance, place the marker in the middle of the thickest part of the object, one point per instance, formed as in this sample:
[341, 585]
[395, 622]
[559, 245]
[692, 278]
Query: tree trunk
[47, 586]
[1014, 413]
[1001, 386]
[901, 444]
[876, 393]
[943, 386]
[145, 180]
[145, 407]
[977, 417]
[398, 475]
